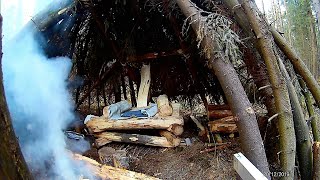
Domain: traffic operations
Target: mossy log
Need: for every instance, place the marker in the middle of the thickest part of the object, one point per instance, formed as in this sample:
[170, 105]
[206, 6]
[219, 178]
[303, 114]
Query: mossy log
[224, 125]
[107, 137]
[312, 114]
[251, 141]
[304, 147]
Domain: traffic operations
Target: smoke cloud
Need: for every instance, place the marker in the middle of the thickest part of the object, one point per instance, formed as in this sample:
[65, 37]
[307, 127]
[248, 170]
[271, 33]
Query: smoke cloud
[36, 92]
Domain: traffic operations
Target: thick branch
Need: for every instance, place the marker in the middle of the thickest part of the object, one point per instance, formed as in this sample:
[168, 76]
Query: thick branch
[298, 65]
[304, 148]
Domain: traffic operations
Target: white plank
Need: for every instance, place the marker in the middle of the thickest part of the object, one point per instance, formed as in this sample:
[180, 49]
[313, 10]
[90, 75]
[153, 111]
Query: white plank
[144, 86]
[245, 169]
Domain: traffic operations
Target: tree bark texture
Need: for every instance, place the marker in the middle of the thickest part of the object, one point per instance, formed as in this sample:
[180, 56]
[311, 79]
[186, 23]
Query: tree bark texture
[251, 141]
[266, 47]
[255, 67]
[304, 149]
[12, 163]
[311, 110]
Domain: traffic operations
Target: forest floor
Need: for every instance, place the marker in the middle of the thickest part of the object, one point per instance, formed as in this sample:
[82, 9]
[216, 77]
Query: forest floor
[179, 163]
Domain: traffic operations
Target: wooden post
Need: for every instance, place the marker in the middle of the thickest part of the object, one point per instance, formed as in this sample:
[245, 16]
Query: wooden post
[144, 86]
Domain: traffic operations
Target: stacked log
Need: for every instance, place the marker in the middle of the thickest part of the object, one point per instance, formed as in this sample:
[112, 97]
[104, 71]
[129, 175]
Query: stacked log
[100, 124]
[218, 111]
[224, 125]
[221, 119]
[170, 128]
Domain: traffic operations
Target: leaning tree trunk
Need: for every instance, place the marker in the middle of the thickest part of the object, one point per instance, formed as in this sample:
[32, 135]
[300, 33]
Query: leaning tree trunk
[298, 65]
[285, 120]
[304, 149]
[12, 163]
[311, 110]
[251, 141]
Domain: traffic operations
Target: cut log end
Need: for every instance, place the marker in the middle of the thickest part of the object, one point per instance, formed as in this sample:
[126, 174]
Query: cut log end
[174, 140]
[224, 125]
[176, 129]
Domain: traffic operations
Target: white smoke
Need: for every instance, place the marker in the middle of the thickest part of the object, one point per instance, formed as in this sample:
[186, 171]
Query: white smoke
[35, 87]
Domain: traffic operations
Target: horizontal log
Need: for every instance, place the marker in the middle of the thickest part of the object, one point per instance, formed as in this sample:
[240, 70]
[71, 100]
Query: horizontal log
[211, 107]
[154, 55]
[100, 124]
[109, 172]
[218, 114]
[224, 125]
[106, 137]
[176, 129]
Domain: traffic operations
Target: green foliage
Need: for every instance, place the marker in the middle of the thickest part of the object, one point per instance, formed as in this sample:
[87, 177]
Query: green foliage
[299, 20]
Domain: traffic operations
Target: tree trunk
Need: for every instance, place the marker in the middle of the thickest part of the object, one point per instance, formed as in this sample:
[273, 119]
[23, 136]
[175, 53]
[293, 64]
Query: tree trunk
[107, 137]
[304, 149]
[313, 44]
[312, 114]
[298, 65]
[12, 163]
[255, 66]
[285, 120]
[251, 141]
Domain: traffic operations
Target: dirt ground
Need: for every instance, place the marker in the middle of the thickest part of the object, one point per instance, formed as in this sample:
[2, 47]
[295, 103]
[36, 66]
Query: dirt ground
[185, 162]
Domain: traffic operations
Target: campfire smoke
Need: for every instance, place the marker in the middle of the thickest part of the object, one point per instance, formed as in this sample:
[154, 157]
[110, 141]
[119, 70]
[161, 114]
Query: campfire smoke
[37, 95]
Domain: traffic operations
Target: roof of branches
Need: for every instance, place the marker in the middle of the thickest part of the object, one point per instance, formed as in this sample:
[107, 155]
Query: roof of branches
[108, 40]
